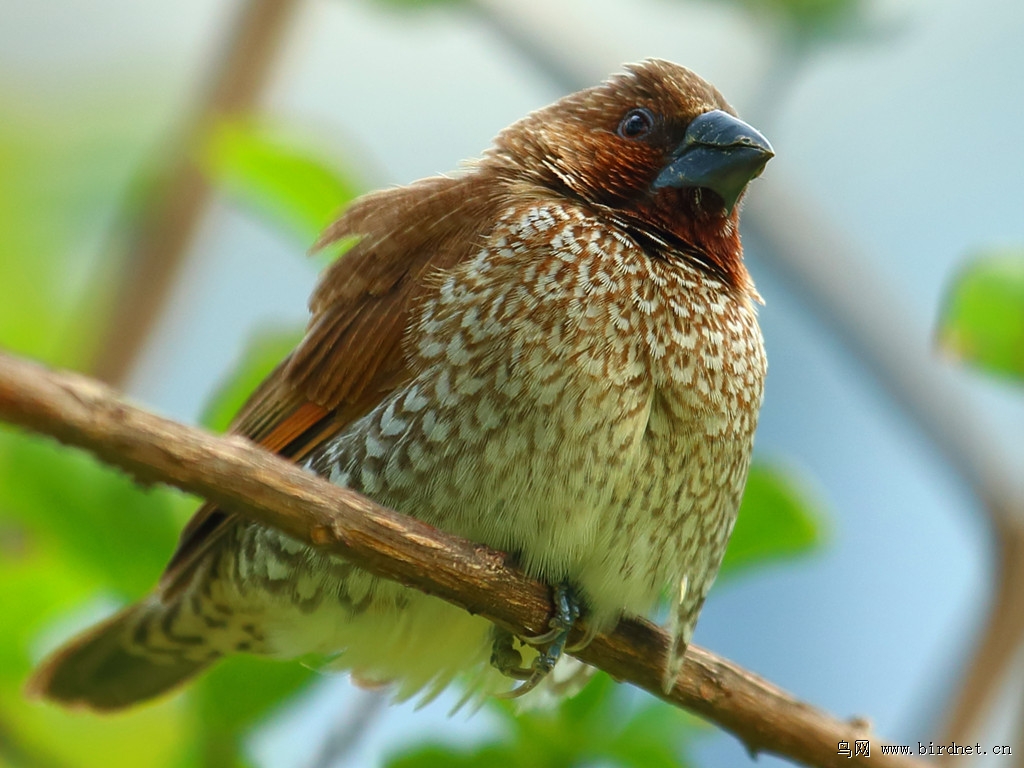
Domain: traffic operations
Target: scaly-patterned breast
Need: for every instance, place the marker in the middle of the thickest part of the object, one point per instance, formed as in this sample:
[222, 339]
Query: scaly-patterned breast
[576, 402]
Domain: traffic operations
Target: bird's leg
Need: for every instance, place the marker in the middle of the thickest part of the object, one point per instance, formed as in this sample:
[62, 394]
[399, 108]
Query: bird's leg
[551, 644]
[567, 611]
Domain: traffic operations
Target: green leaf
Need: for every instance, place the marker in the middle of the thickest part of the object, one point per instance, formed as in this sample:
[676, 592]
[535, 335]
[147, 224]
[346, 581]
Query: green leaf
[982, 320]
[53, 189]
[590, 704]
[242, 689]
[276, 175]
[262, 354]
[39, 586]
[654, 736]
[153, 737]
[602, 725]
[811, 14]
[777, 520]
[808, 23]
[98, 516]
[440, 756]
[236, 695]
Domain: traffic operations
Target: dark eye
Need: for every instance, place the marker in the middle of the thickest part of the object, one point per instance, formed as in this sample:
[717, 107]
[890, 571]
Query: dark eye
[636, 124]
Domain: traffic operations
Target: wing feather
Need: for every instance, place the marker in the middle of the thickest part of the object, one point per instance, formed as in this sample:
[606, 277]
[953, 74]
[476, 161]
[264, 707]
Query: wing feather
[352, 353]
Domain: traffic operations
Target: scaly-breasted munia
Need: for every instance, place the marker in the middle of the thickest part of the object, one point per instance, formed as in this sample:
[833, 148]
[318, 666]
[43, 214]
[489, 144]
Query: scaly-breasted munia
[555, 353]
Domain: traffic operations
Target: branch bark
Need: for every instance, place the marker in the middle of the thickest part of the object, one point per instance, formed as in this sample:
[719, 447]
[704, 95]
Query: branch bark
[239, 475]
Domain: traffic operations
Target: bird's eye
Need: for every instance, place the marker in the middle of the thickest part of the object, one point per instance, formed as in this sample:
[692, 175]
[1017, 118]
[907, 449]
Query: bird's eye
[636, 124]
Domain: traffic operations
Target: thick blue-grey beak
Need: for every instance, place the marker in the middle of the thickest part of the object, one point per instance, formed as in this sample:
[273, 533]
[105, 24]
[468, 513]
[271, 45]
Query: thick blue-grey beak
[719, 152]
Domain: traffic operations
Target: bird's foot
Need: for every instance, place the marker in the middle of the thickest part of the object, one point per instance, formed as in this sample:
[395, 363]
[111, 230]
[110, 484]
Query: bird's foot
[550, 645]
[505, 658]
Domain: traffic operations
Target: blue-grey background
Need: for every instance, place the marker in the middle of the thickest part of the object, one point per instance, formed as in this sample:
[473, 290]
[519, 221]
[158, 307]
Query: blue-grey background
[910, 139]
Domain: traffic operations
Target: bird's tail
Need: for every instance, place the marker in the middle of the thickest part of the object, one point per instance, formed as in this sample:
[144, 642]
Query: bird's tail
[137, 654]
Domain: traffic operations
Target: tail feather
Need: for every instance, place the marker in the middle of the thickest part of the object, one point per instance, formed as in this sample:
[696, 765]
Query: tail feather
[109, 667]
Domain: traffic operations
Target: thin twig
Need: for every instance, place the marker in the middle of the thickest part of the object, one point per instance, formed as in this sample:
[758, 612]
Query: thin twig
[1018, 730]
[159, 239]
[236, 474]
[564, 67]
[997, 648]
[343, 738]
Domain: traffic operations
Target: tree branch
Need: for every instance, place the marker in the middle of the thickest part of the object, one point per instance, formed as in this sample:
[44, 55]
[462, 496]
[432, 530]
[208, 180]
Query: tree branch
[239, 475]
[347, 733]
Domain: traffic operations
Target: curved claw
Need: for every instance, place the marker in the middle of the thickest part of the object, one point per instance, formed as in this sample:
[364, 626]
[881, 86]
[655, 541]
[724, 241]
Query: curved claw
[518, 673]
[542, 667]
[545, 639]
[521, 690]
[507, 660]
[587, 639]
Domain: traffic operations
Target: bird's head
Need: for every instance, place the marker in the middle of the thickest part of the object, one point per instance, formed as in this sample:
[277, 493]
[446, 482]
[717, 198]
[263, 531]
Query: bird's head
[656, 147]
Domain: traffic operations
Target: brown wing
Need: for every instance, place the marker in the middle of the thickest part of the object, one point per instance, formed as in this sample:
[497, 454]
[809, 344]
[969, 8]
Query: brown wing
[352, 354]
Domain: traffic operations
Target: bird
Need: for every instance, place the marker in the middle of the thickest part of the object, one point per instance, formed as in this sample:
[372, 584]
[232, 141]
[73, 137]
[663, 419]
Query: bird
[554, 352]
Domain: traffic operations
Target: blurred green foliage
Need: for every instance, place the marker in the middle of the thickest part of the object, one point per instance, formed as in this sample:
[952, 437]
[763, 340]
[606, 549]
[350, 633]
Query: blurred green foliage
[46, 193]
[807, 23]
[778, 519]
[811, 18]
[264, 168]
[804, 21]
[598, 726]
[982, 320]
